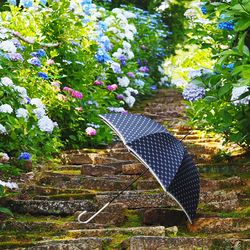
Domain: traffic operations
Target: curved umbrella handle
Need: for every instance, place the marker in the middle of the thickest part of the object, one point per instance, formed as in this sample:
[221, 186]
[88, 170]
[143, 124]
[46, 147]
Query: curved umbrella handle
[93, 216]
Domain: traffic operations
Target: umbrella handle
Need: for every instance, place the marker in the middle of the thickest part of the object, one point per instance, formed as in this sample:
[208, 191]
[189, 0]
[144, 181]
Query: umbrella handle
[115, 197]
[93, 216]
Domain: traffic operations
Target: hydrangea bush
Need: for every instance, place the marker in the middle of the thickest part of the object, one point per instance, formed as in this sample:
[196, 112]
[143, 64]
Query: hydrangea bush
[80, 59]
[216, 84]
[62, 63]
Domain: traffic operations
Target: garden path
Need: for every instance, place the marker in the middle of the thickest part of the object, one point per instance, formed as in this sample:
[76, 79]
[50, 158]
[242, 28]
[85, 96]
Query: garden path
[143, 217]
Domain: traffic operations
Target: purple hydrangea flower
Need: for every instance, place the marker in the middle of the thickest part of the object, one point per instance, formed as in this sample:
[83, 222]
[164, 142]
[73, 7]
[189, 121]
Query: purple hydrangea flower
[144, 69]
[24, 156]
[153, 87]
[14, 57]
[120, 97]
[193, 93]
[131, 74]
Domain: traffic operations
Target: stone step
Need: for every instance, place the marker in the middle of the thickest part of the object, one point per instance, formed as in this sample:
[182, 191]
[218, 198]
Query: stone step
[187, 243]
[80, 158]
[221, 200]
[105, 232]
[45, 207]
[86, 243]
[226, 169]
[219, 225]
[90, 183]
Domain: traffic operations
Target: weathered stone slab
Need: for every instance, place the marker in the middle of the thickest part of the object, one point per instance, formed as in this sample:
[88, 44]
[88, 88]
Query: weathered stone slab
[45, 207]
[100, 170]
[164, 217]
[213, 185]
[76, 244]
[219, 225]
[90, 183]
[181, 243]
[148, 184]
[133, 168]
[220, 200]
[114, 214]
[136, 200]
[153, 231]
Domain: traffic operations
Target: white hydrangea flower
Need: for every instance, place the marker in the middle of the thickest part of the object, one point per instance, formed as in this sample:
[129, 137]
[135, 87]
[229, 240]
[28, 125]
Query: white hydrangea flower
[134, 91]
[190, 13]
[37, 102]
[237, 92]
[179, 82]
[39, 112]
[4, 157]
[2, 129]
[130, 100]
[21, 112]
[8, 46]
[21, 90]
[129, 35]
[130, 54]
[194, 73]
[11, 185]
[6, 108]
[129, 14]
[45, 124]
[123, 81]
[6, 81]
[126, 45]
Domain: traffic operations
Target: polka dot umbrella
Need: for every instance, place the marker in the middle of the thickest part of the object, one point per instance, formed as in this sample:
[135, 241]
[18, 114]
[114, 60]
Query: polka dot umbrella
[162, 154]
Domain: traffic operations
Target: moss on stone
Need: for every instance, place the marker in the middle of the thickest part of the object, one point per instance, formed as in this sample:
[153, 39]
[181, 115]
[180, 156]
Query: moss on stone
[134, 219]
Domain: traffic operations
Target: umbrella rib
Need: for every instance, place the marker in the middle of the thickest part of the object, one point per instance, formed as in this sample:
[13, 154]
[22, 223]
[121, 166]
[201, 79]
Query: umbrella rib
[114, 128]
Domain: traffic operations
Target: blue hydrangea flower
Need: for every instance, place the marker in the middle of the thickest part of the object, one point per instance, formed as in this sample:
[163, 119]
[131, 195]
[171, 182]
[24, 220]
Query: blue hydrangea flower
[43, 75]
[193, 93]
[13, 2]
[203, 9]
[34, 61]
[26, 3]
[41, 53]
[226, 25]
[153, 87]
[43, 2]
[102, 56]
[24, 156]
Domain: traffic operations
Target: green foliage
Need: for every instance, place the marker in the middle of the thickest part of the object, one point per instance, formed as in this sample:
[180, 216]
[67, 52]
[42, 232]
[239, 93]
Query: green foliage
[220, 33]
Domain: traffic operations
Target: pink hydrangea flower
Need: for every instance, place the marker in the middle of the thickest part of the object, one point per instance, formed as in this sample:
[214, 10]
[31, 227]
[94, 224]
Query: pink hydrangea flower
[112, 87]
[80, 109]
[98, 82]
[77, 94]
[90, 131]
[50, 62]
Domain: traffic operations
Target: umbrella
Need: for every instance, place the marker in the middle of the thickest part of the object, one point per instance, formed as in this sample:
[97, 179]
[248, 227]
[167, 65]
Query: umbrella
[162, 154]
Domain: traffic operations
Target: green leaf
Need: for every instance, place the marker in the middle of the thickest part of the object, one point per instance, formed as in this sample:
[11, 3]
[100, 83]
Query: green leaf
[241, 42]
[5, 210]
[242, 24]
[224, 90]
[210, 99]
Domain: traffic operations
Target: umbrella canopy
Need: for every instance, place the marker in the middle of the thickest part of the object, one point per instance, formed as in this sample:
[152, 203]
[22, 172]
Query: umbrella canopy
[163, 154]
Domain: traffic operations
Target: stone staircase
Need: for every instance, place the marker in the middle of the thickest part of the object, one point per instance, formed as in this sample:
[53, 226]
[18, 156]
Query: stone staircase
[143, 217]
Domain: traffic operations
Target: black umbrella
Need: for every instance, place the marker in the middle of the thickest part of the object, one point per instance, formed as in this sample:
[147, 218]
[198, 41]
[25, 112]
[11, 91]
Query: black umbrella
[162, 154]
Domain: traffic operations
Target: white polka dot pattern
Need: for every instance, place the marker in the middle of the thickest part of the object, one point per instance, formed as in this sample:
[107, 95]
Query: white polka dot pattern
[132, 127]
[186, 186]
[163, 153]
